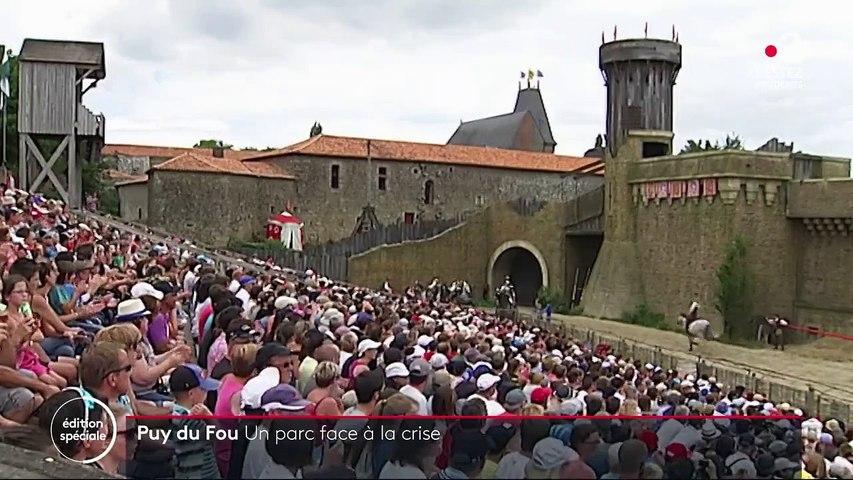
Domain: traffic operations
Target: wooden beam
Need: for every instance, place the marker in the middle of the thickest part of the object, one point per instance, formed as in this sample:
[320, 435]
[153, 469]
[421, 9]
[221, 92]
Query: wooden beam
[22, 160]
[47, 169]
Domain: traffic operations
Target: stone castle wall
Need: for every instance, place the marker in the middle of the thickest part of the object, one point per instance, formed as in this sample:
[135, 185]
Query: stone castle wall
[458, 190]
[670, 219]
[465, 251]
[213, 208]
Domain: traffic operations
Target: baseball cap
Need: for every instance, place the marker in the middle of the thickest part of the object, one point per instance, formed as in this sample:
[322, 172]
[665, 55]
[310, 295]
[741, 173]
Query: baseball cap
[143, 289]
[419, 368]
[540, 395]
[367, 344]
[247, 280]
[267, 352]
[396, 369]
[188, 376]
[515, 399]
[487, 381]
[674, 451]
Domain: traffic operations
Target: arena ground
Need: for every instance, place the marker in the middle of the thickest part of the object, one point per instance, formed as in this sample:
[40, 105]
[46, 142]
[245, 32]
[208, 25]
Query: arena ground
[824, 363]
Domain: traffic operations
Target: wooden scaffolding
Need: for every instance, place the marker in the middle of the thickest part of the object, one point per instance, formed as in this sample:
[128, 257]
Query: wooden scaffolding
[54, 76]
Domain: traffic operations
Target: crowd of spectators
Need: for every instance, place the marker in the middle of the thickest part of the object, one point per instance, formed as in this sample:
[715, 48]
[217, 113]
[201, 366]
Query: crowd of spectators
[90, 312]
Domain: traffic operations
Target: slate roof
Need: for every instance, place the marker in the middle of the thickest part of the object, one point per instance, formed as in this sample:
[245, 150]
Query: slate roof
[196, 162]
[499, 131]
[487, 157]
[510, 130]
[530, 100]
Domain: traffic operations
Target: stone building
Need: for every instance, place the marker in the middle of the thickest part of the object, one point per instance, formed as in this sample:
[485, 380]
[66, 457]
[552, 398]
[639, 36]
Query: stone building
[329, 181]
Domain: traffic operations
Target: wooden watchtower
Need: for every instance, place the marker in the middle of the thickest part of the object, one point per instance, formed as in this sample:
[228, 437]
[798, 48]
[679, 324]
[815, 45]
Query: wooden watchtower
[54, 76]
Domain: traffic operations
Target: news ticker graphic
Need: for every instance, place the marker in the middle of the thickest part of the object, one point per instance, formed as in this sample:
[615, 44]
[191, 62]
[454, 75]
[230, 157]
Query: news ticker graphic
[466, 417]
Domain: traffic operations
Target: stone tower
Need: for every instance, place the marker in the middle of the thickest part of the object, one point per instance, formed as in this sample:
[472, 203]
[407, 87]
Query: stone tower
[639, 75]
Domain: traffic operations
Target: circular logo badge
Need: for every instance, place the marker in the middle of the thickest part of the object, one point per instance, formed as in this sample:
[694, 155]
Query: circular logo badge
[84, 428]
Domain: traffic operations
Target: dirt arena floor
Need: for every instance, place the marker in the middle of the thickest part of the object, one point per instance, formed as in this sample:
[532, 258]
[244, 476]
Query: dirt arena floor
[826, 364]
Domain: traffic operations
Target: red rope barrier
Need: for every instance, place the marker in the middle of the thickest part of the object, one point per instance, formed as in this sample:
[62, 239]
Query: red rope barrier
[820, 333]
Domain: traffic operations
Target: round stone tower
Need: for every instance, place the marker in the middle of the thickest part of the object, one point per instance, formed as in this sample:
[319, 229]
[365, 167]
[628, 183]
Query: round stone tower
[639, 75]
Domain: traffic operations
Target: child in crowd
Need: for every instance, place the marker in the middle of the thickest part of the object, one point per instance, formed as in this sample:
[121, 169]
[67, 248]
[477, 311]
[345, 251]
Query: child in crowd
[193, 458]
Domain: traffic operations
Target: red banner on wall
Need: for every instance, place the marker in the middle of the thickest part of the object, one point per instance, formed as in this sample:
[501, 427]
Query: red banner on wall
[709, 187]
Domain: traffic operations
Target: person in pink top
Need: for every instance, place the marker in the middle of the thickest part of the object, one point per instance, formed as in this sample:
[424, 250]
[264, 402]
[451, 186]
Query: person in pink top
[228, 398]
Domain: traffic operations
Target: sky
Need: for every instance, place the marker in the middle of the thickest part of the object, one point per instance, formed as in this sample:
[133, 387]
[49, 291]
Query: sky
[259, 73]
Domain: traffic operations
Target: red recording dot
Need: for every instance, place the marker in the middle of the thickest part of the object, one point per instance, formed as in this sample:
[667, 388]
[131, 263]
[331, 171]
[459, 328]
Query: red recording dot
[770, 50]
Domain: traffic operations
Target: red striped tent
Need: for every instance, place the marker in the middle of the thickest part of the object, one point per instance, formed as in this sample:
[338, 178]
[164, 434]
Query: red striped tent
[287, 228]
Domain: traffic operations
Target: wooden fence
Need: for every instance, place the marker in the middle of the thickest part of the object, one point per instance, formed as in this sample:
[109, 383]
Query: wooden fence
[331, 259]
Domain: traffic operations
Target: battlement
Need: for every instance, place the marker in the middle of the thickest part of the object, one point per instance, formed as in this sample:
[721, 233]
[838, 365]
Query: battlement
[821, 198]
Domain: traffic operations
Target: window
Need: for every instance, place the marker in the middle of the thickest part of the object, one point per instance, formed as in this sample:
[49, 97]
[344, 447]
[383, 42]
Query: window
[383, 183]
[428, 193]
[272, 208]
[654, 149]
[479, 200]
[408, 218]
[139, 214]
[336, 174]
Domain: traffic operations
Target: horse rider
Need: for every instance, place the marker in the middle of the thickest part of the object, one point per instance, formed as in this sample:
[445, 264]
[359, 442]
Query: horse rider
[777, 331]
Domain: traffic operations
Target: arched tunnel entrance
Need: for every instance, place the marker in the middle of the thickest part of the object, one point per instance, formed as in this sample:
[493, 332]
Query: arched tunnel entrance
[525, 267]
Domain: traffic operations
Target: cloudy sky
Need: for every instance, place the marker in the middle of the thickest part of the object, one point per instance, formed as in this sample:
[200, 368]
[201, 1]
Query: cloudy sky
[260, 72]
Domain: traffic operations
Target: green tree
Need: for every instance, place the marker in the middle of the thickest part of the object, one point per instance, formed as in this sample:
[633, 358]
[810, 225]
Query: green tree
[211, 143]
[735, 291]
[732, 142]
[11, 124]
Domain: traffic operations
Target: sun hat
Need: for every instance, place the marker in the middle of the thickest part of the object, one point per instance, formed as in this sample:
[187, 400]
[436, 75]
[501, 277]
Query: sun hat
[131, 309]
[283, 397]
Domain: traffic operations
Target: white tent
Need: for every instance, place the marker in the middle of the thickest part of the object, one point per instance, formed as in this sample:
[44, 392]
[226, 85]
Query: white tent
[287, 228]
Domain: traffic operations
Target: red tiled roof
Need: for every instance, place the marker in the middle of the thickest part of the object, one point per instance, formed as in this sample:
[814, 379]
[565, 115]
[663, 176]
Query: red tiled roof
[166, 152]
[195, 162]
[349, 147]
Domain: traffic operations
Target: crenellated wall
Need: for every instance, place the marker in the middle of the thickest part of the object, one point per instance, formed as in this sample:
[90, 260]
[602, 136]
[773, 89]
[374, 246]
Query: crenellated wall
[664, 245]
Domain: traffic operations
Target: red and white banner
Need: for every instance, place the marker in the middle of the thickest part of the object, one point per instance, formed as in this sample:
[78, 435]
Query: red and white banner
[693, 188]
[676, 189]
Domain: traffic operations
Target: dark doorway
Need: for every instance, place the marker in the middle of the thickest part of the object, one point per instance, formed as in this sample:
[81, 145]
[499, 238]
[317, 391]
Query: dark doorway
[581, 252]
[524, 272]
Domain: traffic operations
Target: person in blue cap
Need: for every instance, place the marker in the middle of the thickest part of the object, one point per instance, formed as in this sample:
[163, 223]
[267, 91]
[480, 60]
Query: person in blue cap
[194, 455]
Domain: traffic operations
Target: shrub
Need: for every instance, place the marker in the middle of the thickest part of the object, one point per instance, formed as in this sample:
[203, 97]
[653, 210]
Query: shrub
[734, 293]
[644, 316]
[557, 299]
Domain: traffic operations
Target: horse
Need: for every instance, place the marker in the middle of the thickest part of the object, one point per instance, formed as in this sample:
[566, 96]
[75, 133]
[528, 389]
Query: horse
[771, 330]
[696, 329]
